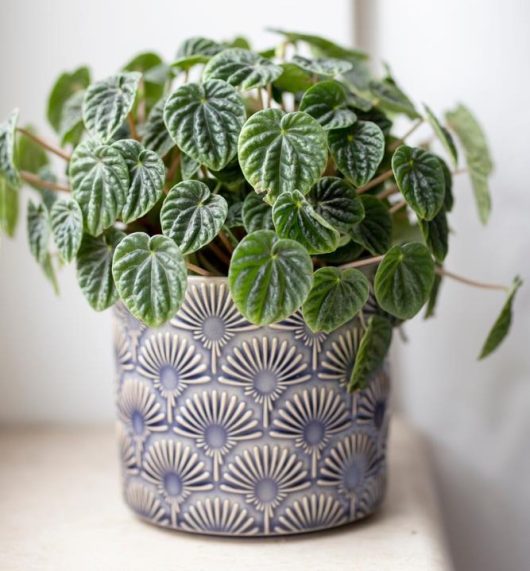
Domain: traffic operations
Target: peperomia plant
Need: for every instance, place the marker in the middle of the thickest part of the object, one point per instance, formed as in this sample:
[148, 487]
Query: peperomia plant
[282, 170]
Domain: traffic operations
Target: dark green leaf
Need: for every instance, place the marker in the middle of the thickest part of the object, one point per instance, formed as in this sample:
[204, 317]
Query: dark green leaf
[390, 97]
[38, 221]
[343, 254]
[436, 235]
[327, 67]
[9, 208]
[374, 232]
[448, 178]
[231, 176]
[433, 296]
[293, 79]
[234, 218]
[67, 227]
[327, 103]
[156, 136]
[443, 135]
[66, 85]
[256, 213]
[8, 170]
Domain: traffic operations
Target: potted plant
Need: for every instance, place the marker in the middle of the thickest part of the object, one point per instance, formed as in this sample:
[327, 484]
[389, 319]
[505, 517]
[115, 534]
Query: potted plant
[261, 224]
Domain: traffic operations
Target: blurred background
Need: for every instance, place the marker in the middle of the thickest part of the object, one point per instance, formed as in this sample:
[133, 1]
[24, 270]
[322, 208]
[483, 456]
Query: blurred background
[55, 353]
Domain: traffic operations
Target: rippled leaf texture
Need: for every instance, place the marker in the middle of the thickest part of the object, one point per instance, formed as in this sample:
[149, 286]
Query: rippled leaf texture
[198, 46]
[296, 219]
[188, 167]
[108, 102]
[442, 134]
[357, 150]
[269, 277]
[501, 327]
[192, 216]
[372, 351]
[205, 121]
[390, 97]
[404, 279]
[328, 104]
[234, 218]
[280, 152]
[147, 174]
[256, 213]
[374, 232]
[39, 231]
[67, 85]
[100, 180]
[436, 235]
[156, 136]
[335, 297]
[337, 202]
[420, 179]
[150, 275]
[242, 68]
[71, 124]
[8, 170]
[94, 268]
[327, 67]
[67, 227]
[9, 208]
[478, 158]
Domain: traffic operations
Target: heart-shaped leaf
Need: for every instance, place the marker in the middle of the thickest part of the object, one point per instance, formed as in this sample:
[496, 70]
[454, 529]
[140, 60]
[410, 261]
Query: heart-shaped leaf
[328, 104]
[335, 297]
[256, 213]
[8, 170]
[280, 152]
[327, 67]
[192, 216]
[94, 268]
[108, 102]
[147, 174]
[404, 279]
[205, 121]
[374, 232]
[372, 351]
[337, 202]
[67, 85]
[198, 46]
[269, 277]
[296, 219]
[150, 275]
[436, 235]
[390, 97]
[156, 136]
[38, 222]
[358, 150]
[67, 227]
[443, 135]
[9, 208]
[71, 123]
[242, 68]
[100, 180]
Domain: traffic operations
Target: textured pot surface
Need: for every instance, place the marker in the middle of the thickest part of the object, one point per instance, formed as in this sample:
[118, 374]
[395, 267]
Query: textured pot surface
[232, 429]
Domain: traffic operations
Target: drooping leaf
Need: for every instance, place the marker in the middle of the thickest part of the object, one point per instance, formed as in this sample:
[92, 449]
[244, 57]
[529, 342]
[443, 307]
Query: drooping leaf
[327, 67]
[420, 179]
[374, 232]
[49, 272]
[108, 102]
[436, 235]
[443, 135]
[147, 174]
[100, 180]
[192, 216]
[205, 121]
[404, 279]
[335, 297]
[67, 227]
[198, 46]
[293, 79]
[94, 268]
[448, 179]
[269, 277]
[372, 351]
[38, 221]
[71, 123]
[66, 85]
[242, 68]
[390, 97]
[296, 219]
[502, 324]
[156, 137]
[8, 169]
[358, 150]
[280, 152]
[433, 296]
[337, 202]
[256, 213]
[328, 104]
[150, 276]
[9, 208]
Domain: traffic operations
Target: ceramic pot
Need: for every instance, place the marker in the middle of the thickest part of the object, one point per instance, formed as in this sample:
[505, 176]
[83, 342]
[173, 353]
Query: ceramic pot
[228, 428]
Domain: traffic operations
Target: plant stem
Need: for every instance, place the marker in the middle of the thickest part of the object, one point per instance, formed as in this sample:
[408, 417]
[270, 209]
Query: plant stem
[400, 141]
[44, 144]
[261, 100]
[467, 281]
[269, 93]
[140, 113]
[132, 128]
[361, 263]
[197, 269]
[375, 181]
[172, 170]
[459, 171]
[226, 242]
[397, 206]
[231, 236]
[31, 178]
[219, 253]
[388, 192]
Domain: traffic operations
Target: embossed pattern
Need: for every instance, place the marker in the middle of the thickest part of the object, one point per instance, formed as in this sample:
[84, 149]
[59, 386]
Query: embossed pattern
[226, 428]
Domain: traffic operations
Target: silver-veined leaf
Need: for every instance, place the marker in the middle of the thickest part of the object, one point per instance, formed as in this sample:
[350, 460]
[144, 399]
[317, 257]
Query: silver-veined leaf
[198, 45]
[150, 276]
[39, 231]
[205, 121]
[8, 170]
[234, 218]
[71, 123]
[67, 227]
[67, 85]
[374, 231]
[9, 208]
[436, 235]
[156, 136]
[328, 104]
[188, 167]
[256, 213]
[327, 67]
[443, 135]
[390, 97]
[192, 216]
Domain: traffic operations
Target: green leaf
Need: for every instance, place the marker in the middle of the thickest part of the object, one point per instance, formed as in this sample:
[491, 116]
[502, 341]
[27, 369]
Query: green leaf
[404, 279]
[335, 297]
[100, 181]
[153, 87]
[327, 67]
[358, 150]
[327, 103]
[280, 152]
[192, 216]
[374, 232]
[231, 175]
[256, 213]
[501, 327]
[29, 155]
[443, 135]
[9, 208]
[71, 125]
[156, 136]
[38, 222]
[390, 97]
[108, 102]
[234, 218]
[94, 268]
[49, 271]
[343, 254]
[337, 202]
[67, 227]
[8, 170]
[372, 351]
[188, 166]
[433, 297]
[198, 46]
[420, 179]
[269, 277]
[436, 235]
[448, 179]
[205, 121]
[242, 68]
[296, 219]
[147, 174]
[150, 275]
[293, 79]
[66, 85]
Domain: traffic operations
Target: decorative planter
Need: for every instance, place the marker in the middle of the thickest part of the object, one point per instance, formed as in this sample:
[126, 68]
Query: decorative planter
[227, 428]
